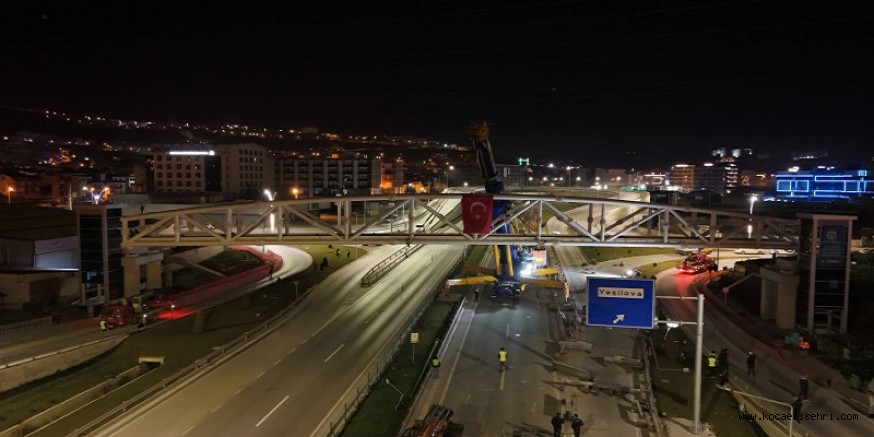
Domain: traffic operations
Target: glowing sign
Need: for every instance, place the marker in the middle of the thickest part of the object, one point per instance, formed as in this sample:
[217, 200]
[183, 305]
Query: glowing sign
[193, 152]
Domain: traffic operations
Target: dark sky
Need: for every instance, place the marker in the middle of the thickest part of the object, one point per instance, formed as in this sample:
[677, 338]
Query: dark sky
[638, 81]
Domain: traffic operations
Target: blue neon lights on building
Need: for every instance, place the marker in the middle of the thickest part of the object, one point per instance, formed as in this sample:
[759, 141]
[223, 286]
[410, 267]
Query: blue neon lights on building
[824, 185]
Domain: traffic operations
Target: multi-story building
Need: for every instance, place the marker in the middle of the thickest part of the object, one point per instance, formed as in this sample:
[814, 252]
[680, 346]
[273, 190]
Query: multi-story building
[710, 177]
[187, 168]
[683, 176]
[247, 170]
[317, 176]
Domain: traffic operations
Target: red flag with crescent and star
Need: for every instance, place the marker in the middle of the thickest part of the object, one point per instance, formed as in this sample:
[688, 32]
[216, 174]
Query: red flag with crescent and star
[476, 213]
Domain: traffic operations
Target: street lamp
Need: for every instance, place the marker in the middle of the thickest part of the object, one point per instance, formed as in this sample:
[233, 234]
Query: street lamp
[753, 200]
[270, 196]
[9, 194]
[295, 191]
[569, 168]
[451, 167]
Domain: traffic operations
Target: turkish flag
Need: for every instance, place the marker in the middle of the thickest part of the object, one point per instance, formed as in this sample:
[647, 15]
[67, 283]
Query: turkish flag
[476, 213]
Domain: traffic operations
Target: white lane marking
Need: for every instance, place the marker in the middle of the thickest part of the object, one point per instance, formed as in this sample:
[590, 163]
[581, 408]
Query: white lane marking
[277, 361]
[292, 351]
[188, 430]
[259, 375]
[238, 391]
[457, 356]
[335, 352]
[216, 408]
[507, 335]
[534, 407]
[271, 411]
[502, 380]
[304, 341]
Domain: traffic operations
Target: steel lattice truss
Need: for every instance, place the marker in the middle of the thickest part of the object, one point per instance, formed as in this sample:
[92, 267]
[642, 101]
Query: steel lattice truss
[436, 219]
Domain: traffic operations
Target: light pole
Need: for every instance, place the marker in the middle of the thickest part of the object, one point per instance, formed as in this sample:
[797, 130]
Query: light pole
[569, 168]
[753, 200]
[9, 194]
[451, 167]
[271, 195]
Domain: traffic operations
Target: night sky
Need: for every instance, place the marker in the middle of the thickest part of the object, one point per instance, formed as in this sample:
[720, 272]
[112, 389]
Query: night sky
[633, 82]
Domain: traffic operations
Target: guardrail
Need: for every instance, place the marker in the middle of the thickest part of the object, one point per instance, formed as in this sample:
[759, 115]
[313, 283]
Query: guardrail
[336, 420]
[88, 340]
[229, 347]
[381, 269]
[25, 326]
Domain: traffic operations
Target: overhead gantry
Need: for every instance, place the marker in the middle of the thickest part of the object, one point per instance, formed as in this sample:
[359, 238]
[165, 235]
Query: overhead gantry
[435, 219]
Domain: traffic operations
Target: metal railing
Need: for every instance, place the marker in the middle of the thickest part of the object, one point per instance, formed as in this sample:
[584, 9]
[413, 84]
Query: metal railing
[25, 326]
[385, 266]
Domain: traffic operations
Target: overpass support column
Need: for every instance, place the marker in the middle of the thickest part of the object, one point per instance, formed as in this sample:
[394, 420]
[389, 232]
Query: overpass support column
[154, 275]
[131, 275]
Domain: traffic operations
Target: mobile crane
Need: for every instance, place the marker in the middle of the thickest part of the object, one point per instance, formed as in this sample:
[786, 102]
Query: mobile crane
[508, 260]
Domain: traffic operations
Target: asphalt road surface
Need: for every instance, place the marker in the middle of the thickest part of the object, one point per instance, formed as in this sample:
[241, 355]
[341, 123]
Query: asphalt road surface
[288, 382]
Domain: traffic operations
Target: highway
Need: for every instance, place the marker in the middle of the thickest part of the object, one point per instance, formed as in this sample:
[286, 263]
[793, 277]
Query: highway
[289, 381]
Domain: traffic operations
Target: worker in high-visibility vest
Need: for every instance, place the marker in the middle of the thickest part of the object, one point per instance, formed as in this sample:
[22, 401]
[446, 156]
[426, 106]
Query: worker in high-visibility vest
[103, 326]
[711, 364]
[502, 358]
[435, 365]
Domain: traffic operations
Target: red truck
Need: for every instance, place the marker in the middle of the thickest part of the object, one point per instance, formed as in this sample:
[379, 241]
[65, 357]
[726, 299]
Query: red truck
[696, 263]
[117, 316]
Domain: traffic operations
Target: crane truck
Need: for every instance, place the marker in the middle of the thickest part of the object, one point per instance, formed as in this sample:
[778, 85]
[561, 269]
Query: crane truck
[509, 261]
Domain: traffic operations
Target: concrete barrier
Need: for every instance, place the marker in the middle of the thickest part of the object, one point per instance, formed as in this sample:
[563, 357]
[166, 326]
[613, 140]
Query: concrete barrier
[48, 364]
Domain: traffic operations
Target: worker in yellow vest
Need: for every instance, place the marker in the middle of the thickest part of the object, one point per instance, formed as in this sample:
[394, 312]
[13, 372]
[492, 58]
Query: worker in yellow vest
[435, 365]
[502, 358]
[711, 364]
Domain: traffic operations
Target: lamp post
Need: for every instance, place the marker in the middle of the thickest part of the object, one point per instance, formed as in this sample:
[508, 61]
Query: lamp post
[295, 191]
[569, 168]
[753, 200]
[9, 194]
[451, 167]
[271, 195]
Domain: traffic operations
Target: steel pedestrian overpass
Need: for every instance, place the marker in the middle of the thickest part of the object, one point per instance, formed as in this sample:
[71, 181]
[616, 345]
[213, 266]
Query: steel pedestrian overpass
[415, 219]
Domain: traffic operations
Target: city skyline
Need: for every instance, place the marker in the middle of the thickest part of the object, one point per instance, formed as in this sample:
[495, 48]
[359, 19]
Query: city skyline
[561, 78]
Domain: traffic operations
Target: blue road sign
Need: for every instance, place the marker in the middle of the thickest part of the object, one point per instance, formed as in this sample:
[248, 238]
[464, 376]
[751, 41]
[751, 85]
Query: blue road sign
[620, 303]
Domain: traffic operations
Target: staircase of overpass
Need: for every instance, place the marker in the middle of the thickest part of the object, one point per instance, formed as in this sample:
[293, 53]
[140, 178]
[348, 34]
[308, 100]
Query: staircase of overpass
[435, 219]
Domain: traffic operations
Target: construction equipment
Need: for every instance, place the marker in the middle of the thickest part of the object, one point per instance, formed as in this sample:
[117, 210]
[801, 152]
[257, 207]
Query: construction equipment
[696, 263]
[510, 262]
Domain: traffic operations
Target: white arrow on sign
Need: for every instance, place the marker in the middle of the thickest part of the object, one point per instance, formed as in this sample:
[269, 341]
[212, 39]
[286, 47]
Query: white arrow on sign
[619, 318]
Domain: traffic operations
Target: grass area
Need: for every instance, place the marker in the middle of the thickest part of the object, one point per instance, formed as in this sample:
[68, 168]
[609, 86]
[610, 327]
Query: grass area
[173, 339]
[655, 268]
[377, 415]
[673, 388]
[229, 262]
[601, 254]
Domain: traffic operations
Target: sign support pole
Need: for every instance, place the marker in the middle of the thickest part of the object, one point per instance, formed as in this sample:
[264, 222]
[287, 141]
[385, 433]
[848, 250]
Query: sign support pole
[699, 351]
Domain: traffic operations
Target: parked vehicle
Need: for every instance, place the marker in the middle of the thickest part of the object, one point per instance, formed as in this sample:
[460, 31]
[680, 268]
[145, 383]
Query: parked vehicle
[117, 316]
